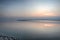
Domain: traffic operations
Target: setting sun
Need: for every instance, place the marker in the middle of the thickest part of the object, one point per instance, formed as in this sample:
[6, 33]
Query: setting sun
[43, 11]
[44, 14]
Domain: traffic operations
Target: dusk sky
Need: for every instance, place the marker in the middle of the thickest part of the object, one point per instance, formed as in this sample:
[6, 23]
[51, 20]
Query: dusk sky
[30, 19]
[30, 8]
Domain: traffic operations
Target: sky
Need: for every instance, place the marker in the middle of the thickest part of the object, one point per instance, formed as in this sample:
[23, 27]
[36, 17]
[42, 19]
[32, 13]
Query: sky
[30, 8]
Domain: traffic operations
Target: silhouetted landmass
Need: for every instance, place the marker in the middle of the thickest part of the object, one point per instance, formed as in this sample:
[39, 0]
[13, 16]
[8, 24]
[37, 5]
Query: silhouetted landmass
[23, 20]
[38, 19]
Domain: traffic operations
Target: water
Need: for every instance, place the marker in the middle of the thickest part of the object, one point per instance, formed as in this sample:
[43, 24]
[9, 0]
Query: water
[31, 29]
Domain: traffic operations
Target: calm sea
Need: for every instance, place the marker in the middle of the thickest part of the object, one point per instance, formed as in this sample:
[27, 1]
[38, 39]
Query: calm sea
[31, 29]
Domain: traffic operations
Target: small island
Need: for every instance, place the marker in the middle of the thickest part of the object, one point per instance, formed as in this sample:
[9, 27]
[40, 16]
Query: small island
[24, 20]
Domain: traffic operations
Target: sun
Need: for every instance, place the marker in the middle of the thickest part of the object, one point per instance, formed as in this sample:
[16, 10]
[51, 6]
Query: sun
[44, 11]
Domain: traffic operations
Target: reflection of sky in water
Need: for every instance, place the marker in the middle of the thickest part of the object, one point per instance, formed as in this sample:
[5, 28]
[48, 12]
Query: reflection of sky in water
[34, 28]
[38, 27]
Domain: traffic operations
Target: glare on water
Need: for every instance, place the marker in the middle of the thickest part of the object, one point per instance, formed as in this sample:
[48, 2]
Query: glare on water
[35, 27]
